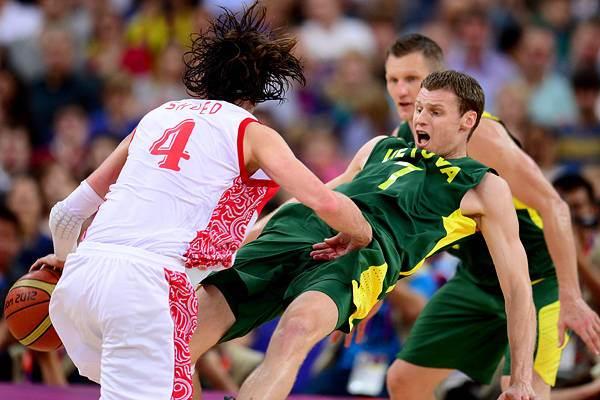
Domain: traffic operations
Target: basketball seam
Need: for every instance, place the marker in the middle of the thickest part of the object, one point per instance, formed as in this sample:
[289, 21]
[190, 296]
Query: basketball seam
[7, 316]
[40, 287]
[33, 330]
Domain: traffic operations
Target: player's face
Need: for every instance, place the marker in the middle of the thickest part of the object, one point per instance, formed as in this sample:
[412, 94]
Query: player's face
[403, 77]
[438, 125]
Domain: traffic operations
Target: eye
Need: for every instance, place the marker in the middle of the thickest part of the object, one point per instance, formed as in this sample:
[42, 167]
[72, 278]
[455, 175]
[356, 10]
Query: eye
[418, 109]
[410, 79]
[435, 113]
[392, 80]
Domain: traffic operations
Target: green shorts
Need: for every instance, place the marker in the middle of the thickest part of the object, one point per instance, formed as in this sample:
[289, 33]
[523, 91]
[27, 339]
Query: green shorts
[464, 327]
[273, 270]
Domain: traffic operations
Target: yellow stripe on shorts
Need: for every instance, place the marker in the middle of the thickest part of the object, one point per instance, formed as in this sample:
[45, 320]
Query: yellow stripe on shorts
[366, 294]
[548, 354]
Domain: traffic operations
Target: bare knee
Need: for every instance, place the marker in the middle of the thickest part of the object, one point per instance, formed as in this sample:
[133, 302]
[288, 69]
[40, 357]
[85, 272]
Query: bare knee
[295, 333]
[398, 377]
[411, 382]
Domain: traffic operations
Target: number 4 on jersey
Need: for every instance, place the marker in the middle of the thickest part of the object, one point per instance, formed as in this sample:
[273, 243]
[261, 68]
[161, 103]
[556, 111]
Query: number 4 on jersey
[172, 144]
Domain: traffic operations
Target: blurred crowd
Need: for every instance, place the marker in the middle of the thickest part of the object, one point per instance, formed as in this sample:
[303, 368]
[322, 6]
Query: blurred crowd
[77, 75]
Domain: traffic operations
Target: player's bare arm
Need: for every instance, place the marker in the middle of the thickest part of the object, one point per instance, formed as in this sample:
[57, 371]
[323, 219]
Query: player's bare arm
[106, 174]
[490, 203]
[264, 148]
[492, 145]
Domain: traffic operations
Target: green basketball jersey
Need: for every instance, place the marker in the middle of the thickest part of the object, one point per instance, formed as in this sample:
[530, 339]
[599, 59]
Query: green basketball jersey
[476, 260]
[412, 198]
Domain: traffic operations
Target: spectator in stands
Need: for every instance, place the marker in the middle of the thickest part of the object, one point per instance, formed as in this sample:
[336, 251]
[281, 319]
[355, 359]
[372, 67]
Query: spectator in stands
[106, 50]
[122, 111]
[13, 99]
[585, 46]
[535, 57]
[56, 183]
[70, 139]
[10, 246]
[166, 83]
[18, 21]
[25, 200]
[557, 16]
[99, 149]
[15, 151]
[511, 107]
[358, 117]
[474, 54]
[578, 192]
[579, 141]
[60, 85]
[327, 34]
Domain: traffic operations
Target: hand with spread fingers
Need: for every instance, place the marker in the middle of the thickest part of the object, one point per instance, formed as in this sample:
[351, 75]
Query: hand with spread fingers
[48, 261]
[577, 316]
[336, 246]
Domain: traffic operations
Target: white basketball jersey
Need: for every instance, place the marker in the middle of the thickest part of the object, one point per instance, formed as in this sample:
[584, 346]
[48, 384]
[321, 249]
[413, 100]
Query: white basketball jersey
[184, 190]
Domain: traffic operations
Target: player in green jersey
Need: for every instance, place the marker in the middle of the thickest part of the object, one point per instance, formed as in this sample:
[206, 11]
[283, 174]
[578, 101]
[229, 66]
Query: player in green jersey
[418, 200]
[463, 326]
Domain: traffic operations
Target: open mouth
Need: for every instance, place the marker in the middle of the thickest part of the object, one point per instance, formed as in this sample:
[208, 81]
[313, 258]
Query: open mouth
[404, 104]
[422, 138]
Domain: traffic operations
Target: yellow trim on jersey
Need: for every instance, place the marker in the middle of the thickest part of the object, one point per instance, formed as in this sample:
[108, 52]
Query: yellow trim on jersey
[34, 283]
[490, 116]
[537, 281]
[533, 214]
[37, 332]
[457, 226]
[366, 294]
[547, 358]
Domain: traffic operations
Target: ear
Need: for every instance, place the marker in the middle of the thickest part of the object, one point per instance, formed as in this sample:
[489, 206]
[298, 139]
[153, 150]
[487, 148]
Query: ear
[468, 120]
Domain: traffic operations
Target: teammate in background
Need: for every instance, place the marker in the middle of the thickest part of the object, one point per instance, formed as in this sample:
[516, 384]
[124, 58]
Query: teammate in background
[463, 325]
[418, 203]
[196, 174]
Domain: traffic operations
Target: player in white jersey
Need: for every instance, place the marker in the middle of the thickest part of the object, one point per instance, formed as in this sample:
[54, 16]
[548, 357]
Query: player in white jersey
[195, 174]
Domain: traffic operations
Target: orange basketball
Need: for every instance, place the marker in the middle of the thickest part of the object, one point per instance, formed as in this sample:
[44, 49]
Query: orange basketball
[26, 310]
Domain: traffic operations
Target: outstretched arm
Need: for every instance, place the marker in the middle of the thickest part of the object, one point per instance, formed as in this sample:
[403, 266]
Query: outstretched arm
[491, 203]
[353, 168]
[492, 146]
[264, 148]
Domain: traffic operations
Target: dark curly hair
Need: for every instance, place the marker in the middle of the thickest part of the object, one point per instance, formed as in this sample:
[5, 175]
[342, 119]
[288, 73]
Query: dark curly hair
[239, 59]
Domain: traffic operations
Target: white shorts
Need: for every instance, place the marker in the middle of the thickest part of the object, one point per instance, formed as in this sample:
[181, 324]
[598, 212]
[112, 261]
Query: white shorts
[126, 317]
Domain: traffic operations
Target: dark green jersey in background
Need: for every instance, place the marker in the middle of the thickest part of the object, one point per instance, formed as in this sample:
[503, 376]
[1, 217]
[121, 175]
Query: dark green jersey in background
[476, 261]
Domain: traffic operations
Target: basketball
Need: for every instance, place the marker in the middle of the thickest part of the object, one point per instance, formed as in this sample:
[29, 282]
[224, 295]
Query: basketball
[26, 310]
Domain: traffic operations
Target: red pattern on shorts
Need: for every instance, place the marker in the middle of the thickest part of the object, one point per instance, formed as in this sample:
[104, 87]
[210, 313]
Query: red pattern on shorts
[183, 304]
[217, 244]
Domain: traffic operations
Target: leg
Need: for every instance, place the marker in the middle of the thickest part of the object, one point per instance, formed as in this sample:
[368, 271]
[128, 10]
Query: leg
[145, 345]
[51, 367]
[547, 353]
[412, 382]
[461, 328]
[308, 319]
[214, 319]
